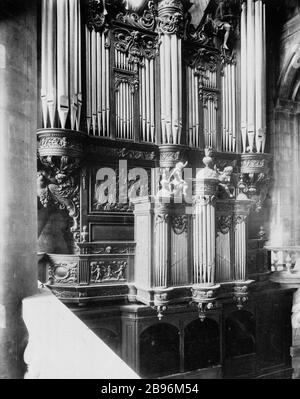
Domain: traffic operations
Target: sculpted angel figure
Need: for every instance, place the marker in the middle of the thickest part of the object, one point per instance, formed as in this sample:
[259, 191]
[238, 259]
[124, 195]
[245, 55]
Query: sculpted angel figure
[165, 191]
[225, 179]
[180, 186]
[221, 21]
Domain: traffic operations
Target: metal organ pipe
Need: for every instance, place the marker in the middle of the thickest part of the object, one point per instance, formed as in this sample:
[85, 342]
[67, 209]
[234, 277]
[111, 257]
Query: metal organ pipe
[74, 57]
[51, 77]
[250, 75]
[244, 68]
[174, 89]
[44, 59]
[61, 63]
[168, 85]
[253, 76]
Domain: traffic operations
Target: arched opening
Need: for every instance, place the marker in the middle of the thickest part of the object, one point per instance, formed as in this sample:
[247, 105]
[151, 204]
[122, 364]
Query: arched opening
[159, 351]
[239, 334]
[201, 345]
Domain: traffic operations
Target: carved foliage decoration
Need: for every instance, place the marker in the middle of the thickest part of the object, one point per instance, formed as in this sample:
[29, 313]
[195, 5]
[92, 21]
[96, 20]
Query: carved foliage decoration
[145, 21]
[121, 153]
[108, 270]
[58, 185]
[136, 44]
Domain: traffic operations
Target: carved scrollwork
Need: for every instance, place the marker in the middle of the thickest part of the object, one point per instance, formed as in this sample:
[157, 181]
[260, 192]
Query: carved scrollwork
[171, 24]
[137, 45]
[145, 21]
[121, 153]
[202, 59]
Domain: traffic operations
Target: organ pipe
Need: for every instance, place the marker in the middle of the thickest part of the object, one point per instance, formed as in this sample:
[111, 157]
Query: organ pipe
[171, 71]
[253, 76]
[61, 64]
[229, 108]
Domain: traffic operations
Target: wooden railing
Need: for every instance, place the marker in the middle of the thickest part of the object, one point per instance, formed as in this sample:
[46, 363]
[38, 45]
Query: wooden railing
[62, 347]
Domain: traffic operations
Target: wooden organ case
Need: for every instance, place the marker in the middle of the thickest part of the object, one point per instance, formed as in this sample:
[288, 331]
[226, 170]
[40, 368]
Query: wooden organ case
[151, 160]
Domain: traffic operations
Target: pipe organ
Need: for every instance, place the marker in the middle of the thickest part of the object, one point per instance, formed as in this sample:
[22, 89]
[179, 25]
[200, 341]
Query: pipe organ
[133, 99]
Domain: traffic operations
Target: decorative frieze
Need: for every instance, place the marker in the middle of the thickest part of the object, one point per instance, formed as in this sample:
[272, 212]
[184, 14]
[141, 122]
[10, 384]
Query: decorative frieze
[108, 271]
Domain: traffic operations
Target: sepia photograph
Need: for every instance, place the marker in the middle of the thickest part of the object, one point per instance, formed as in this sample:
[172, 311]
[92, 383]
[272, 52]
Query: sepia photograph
[149, 203]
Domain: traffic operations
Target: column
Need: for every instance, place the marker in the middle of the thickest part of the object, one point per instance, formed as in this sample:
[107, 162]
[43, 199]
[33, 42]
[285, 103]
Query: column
[170, 17]
[162, 246]
[18, 265]
[240, 289]
[204, 230]
[204, 238]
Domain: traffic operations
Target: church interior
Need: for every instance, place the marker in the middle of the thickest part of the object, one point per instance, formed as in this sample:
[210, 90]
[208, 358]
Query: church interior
[150, 154]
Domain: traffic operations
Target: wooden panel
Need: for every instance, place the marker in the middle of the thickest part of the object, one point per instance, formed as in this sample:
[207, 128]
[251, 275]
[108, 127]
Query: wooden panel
[111, 233]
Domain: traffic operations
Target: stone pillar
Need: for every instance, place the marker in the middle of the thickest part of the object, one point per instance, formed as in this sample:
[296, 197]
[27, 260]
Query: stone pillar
[18, 109]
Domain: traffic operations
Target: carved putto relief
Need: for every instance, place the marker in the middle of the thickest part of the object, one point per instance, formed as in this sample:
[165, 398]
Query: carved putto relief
[102, 271]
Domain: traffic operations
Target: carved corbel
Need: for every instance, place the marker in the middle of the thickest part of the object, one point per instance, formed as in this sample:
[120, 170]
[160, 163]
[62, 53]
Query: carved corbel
[204, 297]
[254, 178]
[160, 304]
[241, 293]
[60, 154]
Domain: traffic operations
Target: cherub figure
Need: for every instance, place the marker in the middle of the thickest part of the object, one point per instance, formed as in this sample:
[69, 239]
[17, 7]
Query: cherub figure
[121, 271]
[225, 179]
[179, 185]
[96, 272]
[109, 273]
[165, 191]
